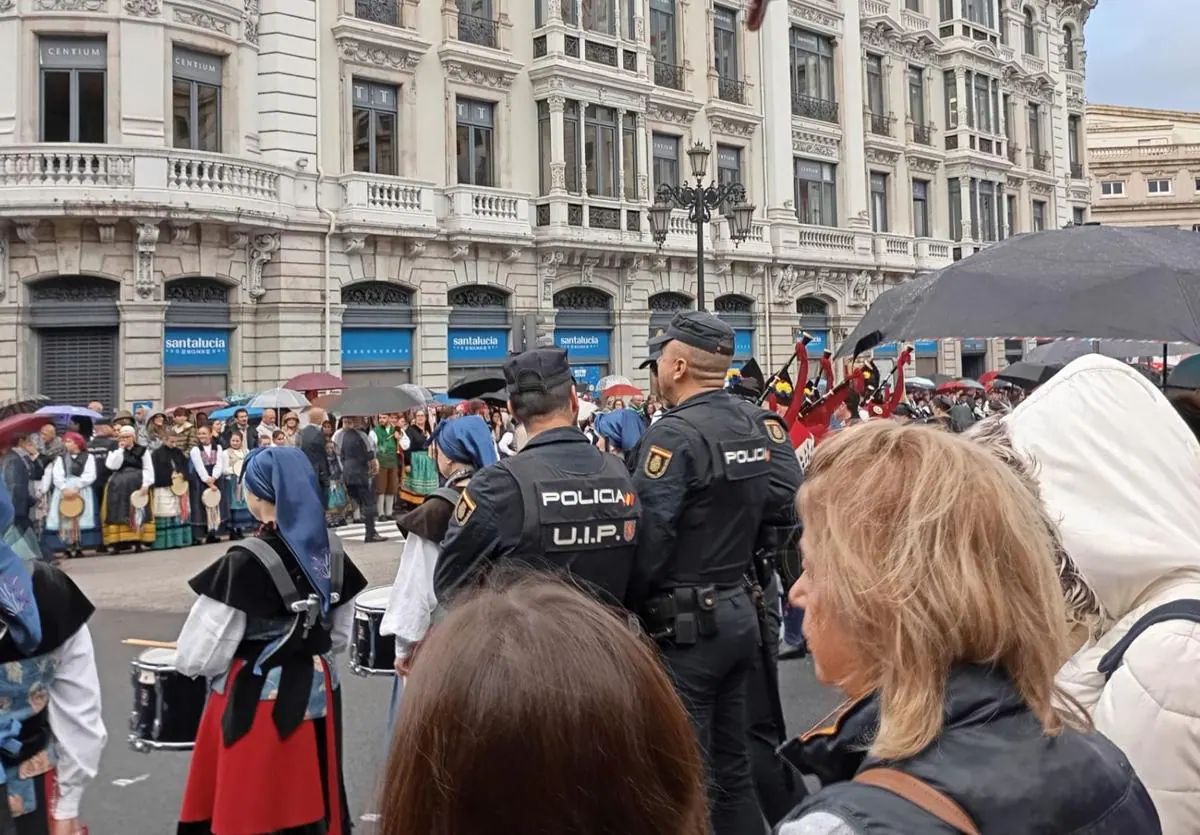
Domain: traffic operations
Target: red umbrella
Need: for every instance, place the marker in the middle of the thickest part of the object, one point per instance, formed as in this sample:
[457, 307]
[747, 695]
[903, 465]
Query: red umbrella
[15, 426]
[958, 385]
[199, 405]
[622, 390]
[315, 381]
[987, 378]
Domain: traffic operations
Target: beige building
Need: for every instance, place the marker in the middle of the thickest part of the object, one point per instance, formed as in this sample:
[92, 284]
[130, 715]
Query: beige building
[1145, 166]
[208, 196]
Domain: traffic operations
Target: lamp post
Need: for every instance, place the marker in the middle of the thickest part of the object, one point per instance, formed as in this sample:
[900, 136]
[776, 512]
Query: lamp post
[700, 200]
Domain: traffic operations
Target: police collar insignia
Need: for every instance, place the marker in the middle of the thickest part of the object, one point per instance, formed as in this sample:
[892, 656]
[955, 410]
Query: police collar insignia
[464, 508]
[776, 432]
[657, 461]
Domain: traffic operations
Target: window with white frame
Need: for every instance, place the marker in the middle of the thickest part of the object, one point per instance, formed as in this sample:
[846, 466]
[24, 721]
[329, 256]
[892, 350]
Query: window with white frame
[729, 168]
[600, 150]
[920, 201]
[599, 16]
[73, 89]
[1030, 42]
[725, 51]
[665, 159]
[815, 185]
[475, 137]
[1158, 187]
[196, 100]
[1112, 188]
[374, 127]
[879, 201]
[1039, 215]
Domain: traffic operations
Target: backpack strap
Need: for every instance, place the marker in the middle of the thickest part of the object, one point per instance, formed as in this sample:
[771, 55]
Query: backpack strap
[922, 795]
[274, 566]
[337, 568]
[1186, 609]
[450, 494]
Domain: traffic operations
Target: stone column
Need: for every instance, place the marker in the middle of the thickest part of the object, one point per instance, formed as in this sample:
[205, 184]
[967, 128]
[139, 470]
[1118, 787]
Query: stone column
[141, 350]
[777, 115]
[854, 161]
[558, 165]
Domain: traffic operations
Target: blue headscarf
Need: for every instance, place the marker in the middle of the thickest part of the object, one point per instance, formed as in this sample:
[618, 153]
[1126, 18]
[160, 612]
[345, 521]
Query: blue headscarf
[466, 440]
[18, 606]
[621, 428]
[284, 477]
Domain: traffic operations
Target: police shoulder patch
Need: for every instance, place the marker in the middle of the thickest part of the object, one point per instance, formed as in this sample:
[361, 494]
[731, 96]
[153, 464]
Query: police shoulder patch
[776, 431]
[657, 461]
[464, 508]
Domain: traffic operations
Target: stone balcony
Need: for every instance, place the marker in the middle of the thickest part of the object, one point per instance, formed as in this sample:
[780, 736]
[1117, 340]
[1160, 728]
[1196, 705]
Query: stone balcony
[486, 214]
[370, 201]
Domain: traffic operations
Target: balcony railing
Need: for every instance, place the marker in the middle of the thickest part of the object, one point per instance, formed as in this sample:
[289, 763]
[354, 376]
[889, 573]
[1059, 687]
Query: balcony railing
[1118, 152]
[1076, 171]
[1039, 161]
[874, 8]
[668, 75]
[879, 124]
[826, 237]
[923, 134]
[66, 167]
[477, 30]
[811, 107]
[730, 89]
[378, 11]
[217, 176]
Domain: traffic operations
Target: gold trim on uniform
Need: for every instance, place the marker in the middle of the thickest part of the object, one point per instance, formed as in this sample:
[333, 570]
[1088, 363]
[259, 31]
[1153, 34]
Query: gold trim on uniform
[776, 431]
[464, 508]
[657, 461]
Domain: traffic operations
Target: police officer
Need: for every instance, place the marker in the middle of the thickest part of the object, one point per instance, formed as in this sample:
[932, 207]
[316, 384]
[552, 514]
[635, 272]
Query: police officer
[561, 503]
[704, 477]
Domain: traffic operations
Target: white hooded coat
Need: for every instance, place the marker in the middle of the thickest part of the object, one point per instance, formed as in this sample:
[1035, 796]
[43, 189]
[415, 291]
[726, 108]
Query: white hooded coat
[1119, 472]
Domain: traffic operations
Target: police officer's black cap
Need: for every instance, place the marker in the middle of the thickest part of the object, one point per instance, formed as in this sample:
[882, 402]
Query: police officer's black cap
[539, 370]
[697, 328]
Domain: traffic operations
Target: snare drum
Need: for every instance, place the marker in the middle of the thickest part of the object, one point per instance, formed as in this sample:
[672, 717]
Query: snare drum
[167, 706]
[371, 653]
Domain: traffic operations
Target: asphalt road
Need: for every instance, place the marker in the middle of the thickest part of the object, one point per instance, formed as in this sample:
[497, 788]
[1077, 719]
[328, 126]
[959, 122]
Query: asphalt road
[146, 596]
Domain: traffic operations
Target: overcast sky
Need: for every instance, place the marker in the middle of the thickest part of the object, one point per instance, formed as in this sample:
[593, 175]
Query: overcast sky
[1144, 53]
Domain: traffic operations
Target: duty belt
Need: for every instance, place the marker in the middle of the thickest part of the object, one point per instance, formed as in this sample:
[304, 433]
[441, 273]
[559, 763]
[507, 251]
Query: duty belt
[686, 613]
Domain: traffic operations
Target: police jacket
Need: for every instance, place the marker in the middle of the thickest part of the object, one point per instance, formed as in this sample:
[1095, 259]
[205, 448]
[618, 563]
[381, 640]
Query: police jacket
[560, 503]
[703, 475]
[991, 758]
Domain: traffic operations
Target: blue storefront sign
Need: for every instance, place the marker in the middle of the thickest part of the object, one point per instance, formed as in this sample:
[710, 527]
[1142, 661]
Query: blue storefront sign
[475, 346]
[583, 344]
[820, 341]
[376, 346]
[587, 376]
[926, 347]
[743, 344]
[974, 346]
[885, 351]
[191, 348]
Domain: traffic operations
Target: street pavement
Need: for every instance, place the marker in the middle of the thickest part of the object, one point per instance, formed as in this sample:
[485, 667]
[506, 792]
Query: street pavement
[146, 596]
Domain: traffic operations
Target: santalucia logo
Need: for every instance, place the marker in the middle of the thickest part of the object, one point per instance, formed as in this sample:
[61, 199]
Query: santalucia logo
[196, 343]
[476, 341]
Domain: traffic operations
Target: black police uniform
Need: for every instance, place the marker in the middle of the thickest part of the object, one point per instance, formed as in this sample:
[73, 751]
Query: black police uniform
[561, 503]
[704, 478]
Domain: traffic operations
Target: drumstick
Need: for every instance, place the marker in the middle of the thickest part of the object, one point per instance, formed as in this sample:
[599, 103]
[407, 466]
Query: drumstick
[143, 642]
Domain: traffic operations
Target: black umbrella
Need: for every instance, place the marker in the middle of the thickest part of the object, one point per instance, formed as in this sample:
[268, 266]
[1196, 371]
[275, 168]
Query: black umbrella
[1085, 282]
[1063, 351]
[1028, 374]
[476, 384]
[495, 398]
[22, 405]
[373, 400]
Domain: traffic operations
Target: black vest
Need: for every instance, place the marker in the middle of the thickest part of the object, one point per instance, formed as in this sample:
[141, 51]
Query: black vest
[580, 512]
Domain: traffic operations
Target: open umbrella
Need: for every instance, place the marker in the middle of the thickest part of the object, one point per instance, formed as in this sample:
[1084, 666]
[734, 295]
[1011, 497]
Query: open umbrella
[1063, 351]
[22, 405]
[423, 394]
[280, 398]
[919, 383]
[1085, 282]
[477, 384]
[987, 378]
[613, 380]
[315, 381]
[229, 412]
[15, 426]
[1028, 374]
[1186, 375]
[373, 400]
[198, 405]
[958, 385]
[445, 399]
[495, 398]
[68, 412]
[621, 390]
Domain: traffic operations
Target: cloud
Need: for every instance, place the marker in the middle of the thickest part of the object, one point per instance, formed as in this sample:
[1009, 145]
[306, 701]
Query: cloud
[1143, 53]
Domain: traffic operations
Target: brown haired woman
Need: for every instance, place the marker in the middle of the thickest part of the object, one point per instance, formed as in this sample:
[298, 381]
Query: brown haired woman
[533, 709]
[943, 622]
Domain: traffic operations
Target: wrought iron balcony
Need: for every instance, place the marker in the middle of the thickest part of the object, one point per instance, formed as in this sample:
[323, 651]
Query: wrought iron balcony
[923, 134]
[668, 75]
[1039, 161]
[1076, 171]
[730, 89]
[477, 30]
[879, 124]
[811, 107]
[378, 11]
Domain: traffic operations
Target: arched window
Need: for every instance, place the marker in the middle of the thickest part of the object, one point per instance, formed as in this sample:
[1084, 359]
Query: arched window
[1069, 47]
[582, 298]
[669, 302]
[811, 306]
[1030, 45]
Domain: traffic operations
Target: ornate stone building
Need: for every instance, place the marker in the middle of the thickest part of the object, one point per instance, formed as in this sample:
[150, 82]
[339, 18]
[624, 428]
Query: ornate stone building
[206, 196]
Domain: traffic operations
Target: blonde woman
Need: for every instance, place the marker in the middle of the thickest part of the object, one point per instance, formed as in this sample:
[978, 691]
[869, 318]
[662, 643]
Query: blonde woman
[938, 613]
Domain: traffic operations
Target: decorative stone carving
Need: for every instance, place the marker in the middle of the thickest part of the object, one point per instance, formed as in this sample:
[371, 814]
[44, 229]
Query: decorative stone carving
[181, 233]
[512, 254]
[27, 232]
[582, 298]
[922, 165]
[670, 115]
[416, 249]
[6, 5]
[880, 35]
[143, 8]
[1036, 187]
[732, 127]
[478, 76]
[196, 291]
[721, 266]
[77, 289]
[378, 56]
[250, 21]
[860, 289]
[258, 253]
[632, 274]
[146, 240]
[460, 251]
[879, 156]
[548, 267]
[787, 281]
[814, 144]
[1074, 98]
[189, 16]
[71, 5]
[476, 296]
[3, 262]
[588, 268]
[106, 228]
[354, 244]
[800, 12]
[558, 176]
[376, 294]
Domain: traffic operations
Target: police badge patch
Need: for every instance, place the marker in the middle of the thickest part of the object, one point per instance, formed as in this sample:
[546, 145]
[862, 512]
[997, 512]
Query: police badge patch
[776, 432]
[464, 508]
[657, 461]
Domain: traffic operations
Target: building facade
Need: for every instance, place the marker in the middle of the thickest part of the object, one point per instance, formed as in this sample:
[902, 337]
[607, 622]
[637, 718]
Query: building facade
[1145, 166]
[202, 196]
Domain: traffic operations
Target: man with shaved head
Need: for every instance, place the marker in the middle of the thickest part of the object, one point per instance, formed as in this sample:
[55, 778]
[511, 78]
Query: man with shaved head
[710, 473]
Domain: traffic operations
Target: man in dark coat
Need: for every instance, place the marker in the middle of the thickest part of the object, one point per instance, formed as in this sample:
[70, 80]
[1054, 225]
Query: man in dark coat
[311, 441]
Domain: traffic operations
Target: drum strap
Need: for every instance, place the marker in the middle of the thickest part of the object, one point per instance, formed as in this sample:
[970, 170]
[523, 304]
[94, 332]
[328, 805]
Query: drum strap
[337, 566]
[275, 568]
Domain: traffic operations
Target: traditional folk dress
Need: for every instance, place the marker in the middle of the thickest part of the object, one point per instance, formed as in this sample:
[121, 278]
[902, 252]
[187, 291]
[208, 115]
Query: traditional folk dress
[171, 509]
[239, 520]
[75, 472]
[132, 471]
[420, 474]
[50, 707]
[206, 462]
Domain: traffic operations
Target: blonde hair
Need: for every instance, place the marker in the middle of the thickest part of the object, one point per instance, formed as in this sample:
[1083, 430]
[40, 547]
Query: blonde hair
[943, 559]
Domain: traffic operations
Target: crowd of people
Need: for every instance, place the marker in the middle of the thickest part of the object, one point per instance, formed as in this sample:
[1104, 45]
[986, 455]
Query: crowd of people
[1009, 602]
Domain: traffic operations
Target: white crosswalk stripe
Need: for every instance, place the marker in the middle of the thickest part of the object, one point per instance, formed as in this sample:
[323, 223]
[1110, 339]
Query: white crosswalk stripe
[358, 532]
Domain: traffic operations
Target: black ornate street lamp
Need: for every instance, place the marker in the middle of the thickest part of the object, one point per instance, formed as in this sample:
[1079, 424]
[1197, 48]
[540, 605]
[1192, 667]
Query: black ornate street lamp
[700, 200]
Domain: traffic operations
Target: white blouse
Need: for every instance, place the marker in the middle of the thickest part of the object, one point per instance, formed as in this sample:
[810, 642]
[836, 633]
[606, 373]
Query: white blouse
[412, 601]
[86, 479]
[76, 721]
[199, 468]
[117, 457]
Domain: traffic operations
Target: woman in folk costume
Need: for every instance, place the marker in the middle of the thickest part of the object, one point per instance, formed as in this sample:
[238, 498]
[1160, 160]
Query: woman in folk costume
[267, 756]
[420, 475]
[169, 498]
[71, 517]
[234, 462]
[124, 522]
[460, 446]
[208, 509]
[51, 729]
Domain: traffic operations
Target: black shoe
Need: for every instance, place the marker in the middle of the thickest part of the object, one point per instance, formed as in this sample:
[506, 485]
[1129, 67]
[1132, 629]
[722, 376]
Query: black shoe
[234, 535]
[797, 651]
[212, 539]
[137, 547]
[375, 538]
[101, 549]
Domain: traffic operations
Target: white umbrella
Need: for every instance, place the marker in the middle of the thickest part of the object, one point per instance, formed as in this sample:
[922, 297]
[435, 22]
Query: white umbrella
[613, 380]
[919, 383]
[279, 399]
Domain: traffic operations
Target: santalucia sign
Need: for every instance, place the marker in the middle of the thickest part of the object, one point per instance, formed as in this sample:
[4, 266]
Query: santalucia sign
[197, 345]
